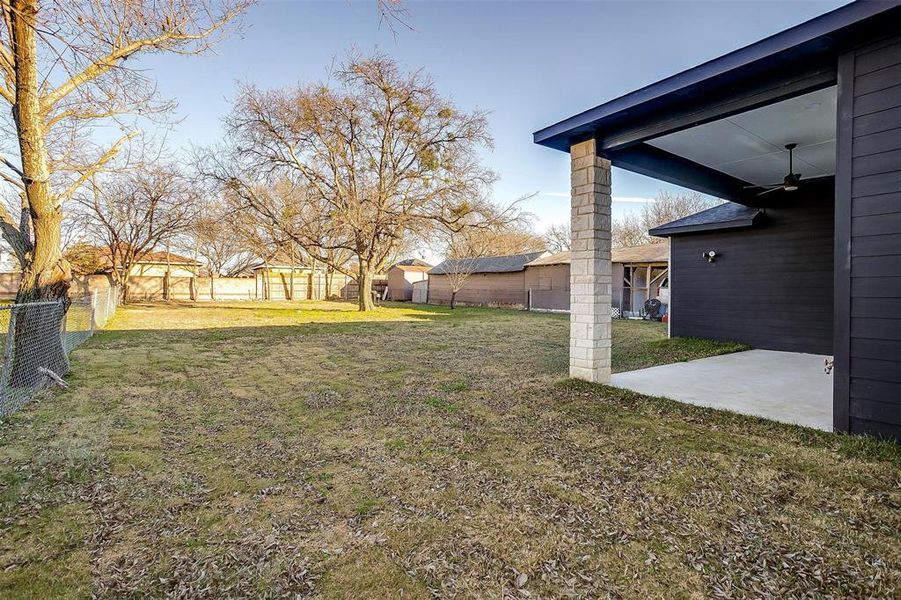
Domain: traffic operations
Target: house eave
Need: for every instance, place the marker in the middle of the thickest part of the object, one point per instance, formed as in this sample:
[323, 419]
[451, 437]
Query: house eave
[701, 228]
[814, 42]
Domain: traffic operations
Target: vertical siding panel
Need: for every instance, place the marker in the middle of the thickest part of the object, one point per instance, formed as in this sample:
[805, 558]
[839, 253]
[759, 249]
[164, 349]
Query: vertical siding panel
[870, 385]
[841, 327]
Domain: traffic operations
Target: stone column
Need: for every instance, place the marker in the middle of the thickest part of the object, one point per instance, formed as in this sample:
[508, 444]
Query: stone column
[591, 283]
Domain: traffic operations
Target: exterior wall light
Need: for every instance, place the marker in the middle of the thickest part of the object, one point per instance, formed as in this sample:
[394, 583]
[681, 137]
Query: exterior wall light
[710, 255]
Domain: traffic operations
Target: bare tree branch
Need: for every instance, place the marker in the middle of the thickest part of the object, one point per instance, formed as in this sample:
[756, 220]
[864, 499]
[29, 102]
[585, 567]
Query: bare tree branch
[91, 171]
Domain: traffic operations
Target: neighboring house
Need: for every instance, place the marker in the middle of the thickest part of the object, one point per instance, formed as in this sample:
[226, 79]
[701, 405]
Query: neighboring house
[157, 264]
[90, 259]
[403, 275]
[639, 273]
[809, 267]
[490, 280]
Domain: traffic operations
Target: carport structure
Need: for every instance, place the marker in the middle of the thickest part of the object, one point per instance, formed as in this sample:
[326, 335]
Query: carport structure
[831, 88]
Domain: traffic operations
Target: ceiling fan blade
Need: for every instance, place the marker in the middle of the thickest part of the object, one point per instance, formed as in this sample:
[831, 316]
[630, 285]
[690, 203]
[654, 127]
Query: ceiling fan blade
[767, 186]
[772, 189]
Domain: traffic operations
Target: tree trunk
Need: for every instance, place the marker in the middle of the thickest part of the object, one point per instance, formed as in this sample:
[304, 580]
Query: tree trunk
[364, 284]
[453, 299]
[212, 287]
[46, 276]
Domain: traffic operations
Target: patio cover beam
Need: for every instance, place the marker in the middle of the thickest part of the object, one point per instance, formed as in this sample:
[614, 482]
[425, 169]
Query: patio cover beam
[713, 107]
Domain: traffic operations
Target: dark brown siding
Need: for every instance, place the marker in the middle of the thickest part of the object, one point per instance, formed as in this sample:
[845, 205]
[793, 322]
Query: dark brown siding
[869, 368]
[770, 285]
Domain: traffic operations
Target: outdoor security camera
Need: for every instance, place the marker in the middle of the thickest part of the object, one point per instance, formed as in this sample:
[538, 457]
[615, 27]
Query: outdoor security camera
[710, 255]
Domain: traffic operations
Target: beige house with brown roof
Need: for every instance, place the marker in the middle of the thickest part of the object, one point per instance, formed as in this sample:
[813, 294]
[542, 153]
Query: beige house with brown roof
[157, 264]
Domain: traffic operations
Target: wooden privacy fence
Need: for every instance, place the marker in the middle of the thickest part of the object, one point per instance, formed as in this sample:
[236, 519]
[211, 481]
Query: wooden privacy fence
[150, 288]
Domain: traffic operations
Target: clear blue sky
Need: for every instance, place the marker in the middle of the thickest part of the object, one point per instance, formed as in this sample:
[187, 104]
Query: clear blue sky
[529, 64]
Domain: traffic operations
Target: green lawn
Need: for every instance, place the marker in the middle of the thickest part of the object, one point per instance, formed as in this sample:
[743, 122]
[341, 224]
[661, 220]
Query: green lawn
[305, 449]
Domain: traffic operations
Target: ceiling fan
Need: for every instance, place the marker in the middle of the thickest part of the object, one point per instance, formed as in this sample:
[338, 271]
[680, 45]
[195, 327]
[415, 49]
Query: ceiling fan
[791, 181]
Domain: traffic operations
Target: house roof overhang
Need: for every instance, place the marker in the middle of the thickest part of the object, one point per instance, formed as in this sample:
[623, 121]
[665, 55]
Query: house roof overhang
[796, 61]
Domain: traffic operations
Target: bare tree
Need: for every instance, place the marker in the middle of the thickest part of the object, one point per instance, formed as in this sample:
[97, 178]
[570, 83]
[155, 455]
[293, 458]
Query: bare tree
[486, 233]
[362, 162]
[629, 230]
[494, 238]
[557, 238]
[217, 235]
[66, 69]
[134, 213]
[457, 272]
[632, 229]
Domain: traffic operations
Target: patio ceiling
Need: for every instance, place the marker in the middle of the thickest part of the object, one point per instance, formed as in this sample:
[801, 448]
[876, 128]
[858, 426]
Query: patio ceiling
[758, 98]
[751, 145]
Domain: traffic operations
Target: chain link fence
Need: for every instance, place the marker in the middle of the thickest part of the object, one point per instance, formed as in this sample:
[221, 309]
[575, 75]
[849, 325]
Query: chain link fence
[39, 338]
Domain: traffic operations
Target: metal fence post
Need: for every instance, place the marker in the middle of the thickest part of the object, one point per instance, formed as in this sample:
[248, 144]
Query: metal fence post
[7, 358]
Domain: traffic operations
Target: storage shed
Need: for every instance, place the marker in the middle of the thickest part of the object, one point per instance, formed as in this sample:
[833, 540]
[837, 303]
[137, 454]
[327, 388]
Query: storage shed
[403, 275]
[488, 280]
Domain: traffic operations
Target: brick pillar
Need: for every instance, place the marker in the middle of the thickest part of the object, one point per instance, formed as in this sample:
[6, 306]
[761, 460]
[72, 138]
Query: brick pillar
[590, 272]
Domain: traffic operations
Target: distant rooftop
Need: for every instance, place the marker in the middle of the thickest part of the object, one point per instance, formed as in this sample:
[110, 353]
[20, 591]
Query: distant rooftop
[412, 264]
[645, 253]
[486, 264]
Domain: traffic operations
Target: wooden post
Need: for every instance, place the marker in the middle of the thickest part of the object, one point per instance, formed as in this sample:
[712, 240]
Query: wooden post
[647, 281]
[168, 274]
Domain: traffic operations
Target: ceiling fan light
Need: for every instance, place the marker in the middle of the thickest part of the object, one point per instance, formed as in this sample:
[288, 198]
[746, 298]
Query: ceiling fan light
[790, 188]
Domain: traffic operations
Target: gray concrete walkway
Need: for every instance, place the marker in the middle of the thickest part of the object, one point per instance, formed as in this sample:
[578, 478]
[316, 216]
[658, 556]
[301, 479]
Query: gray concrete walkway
[783, 386]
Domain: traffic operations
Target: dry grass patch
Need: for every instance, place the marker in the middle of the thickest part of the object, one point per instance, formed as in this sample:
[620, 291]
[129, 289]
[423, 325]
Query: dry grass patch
[303, 449]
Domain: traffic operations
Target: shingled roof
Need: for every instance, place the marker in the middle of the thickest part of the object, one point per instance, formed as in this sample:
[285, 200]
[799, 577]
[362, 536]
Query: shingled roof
[412, 264]
[728, 215]
[645, 253]
[486, 264]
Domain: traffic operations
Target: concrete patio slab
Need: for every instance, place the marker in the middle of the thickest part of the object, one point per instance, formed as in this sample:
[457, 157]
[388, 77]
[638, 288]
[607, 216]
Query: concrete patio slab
[784, 386]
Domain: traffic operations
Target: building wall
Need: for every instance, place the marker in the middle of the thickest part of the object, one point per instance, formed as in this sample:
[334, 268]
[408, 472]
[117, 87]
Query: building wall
[505, 289]
[548, 286]
[547, 277]
[770, 286]
[400, 283]
[421, 291]
[868, 280]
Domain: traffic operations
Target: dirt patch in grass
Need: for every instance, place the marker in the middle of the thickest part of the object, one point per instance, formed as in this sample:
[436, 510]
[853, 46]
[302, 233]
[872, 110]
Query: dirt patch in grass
[303, 449]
